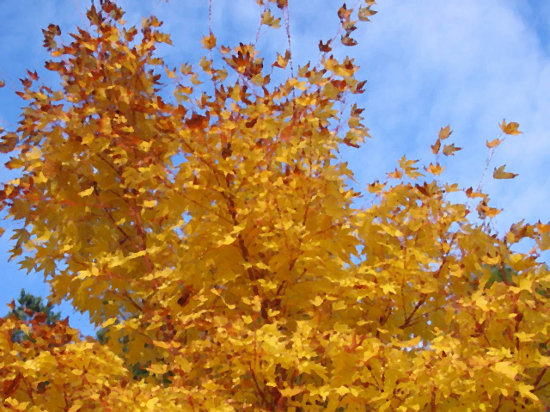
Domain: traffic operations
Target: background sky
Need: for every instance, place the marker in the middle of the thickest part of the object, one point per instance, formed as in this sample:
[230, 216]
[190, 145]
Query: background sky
[429, 63]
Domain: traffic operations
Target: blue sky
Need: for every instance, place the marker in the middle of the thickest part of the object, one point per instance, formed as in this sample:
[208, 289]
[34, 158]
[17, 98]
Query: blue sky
[428, 63]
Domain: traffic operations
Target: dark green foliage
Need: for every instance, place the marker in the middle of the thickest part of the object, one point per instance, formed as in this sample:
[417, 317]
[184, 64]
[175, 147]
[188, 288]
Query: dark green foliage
[101, 336]
[26, 308]
[29, 304]
[503, 274]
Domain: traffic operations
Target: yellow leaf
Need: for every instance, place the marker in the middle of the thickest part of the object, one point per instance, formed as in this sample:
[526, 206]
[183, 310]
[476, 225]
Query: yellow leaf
[87, 138]
[158, 369]
[227, 240]
[375, 187]
[525, 390]
[152, 404]
[282, 61]
[365, 12]
[524, 337]
[86, 192]
[510, 128]
[317, 301]
[170, 73]
[75, 406]
[145, 145]
[434, 169]
[290, 392]
[269, 20]
[161, 344]
[507, 369]
[342, 390]
[387, 288]
[186, 69]
[408, 343]
[499, 173]
[149, 203]
[491, 260]
[209, 42]
[108, 322]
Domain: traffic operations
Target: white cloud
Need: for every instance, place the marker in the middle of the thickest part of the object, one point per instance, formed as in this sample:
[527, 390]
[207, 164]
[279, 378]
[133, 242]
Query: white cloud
[468, 64]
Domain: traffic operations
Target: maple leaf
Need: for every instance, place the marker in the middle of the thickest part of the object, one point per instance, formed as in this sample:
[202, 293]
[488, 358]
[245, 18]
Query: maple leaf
[436, 169]
[348, 41]
[450, 149]
[344, 13]
[86, 192]
[209, 42]
[499, 173]
[282, 61]
[269, 20]
[445, 132]
[325, 47]
[436, 146]
[365, 13]
[493, 143]
[510, 128]
[8, 142]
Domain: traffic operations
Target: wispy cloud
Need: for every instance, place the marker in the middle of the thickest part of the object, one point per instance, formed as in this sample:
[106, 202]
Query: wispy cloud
[467, 64]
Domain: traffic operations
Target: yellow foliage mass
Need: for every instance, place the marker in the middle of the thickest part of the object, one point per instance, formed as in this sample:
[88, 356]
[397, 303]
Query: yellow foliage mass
[215, 238]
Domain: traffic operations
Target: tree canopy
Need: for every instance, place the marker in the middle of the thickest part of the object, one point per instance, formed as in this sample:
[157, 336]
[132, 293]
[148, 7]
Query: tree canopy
[214, 235]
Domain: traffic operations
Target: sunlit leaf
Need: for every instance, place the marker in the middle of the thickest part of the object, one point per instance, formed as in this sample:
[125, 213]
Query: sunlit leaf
[450, 149]
[499, 173]
[510, 128]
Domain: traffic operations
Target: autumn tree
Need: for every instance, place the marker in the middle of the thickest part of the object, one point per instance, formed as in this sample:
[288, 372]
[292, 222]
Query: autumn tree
[214, 235]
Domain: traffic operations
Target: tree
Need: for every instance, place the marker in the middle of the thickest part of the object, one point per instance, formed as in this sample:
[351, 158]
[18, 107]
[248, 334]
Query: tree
[215, 237]
[29, 304]
[30, 307]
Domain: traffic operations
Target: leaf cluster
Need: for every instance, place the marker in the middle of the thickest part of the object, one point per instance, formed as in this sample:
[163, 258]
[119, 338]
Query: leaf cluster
[214, 237]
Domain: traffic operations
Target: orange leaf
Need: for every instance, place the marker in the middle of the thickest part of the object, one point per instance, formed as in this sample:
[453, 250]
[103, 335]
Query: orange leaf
[209, 42]
[450, 149]
[471, 194]
[510, 128]
[493, 143]
[396, 174]
[434, 169]
[445, 132]
[436, 146]
[348, 41]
